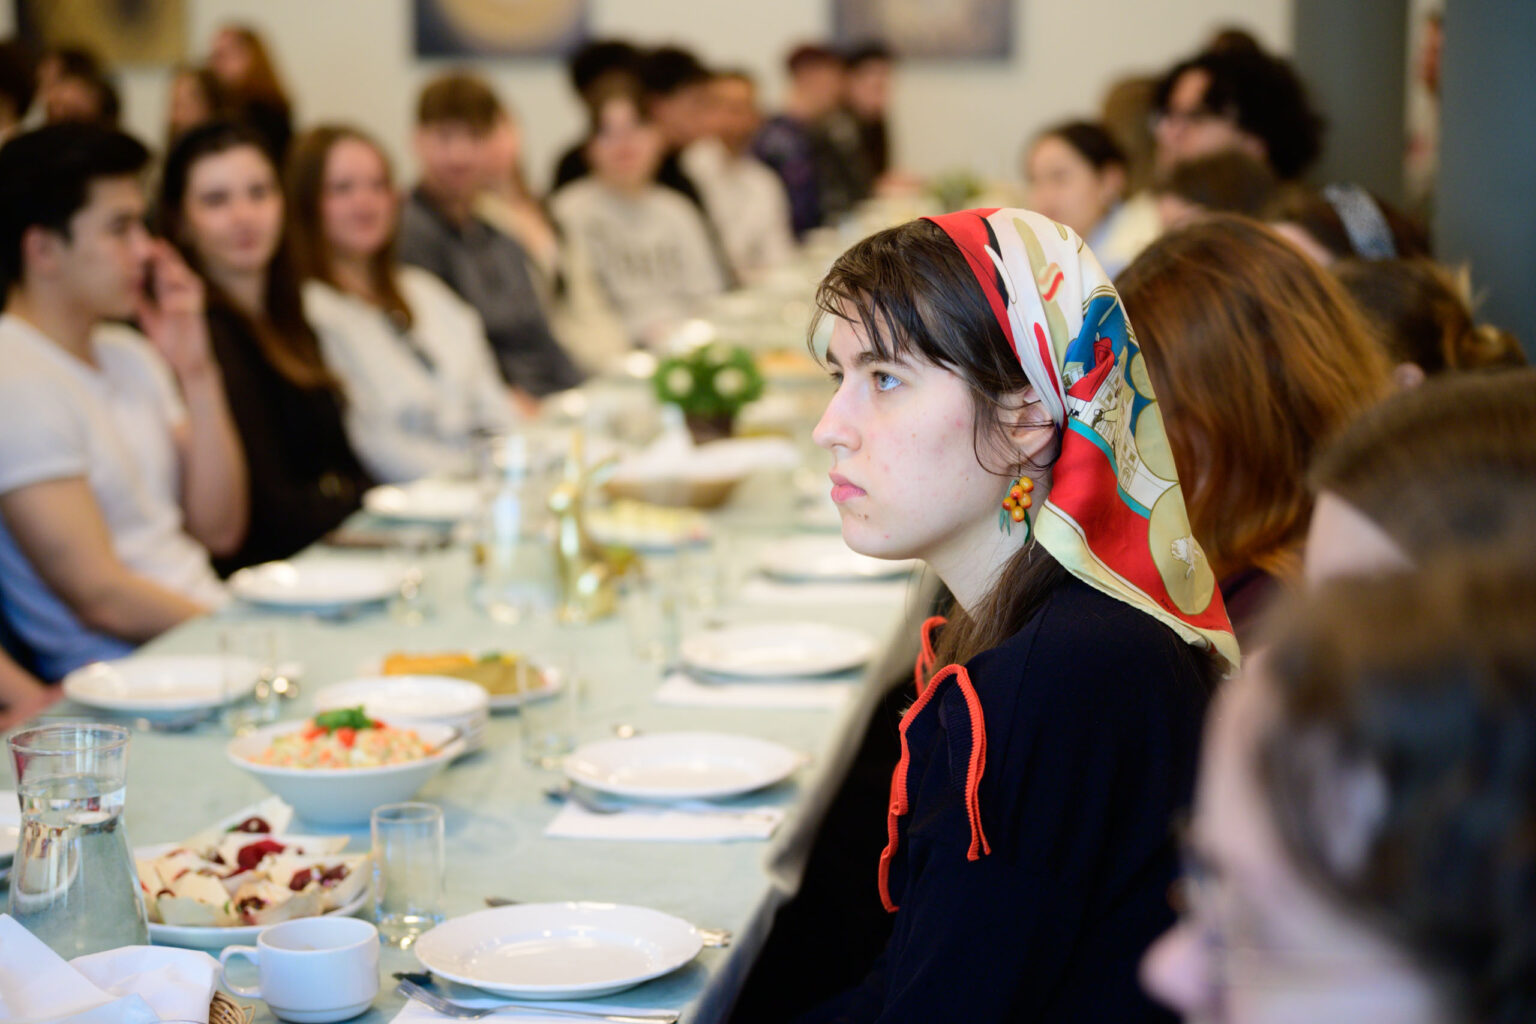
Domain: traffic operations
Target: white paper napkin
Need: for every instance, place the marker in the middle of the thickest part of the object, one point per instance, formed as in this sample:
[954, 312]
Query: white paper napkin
[420, 1013]
[760, 590]
[682, 690]
[665, 824]
[132, 985]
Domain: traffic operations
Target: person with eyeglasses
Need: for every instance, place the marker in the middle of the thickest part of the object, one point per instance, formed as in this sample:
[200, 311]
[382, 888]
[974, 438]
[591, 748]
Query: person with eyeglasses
[1360, 848]
[1236, 98]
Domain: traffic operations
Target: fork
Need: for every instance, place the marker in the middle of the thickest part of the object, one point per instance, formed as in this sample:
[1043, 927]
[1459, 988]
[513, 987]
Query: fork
[459, 1011]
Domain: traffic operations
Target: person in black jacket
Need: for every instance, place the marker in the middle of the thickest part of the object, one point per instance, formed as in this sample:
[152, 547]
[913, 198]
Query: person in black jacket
[220, 202]
[992, 416]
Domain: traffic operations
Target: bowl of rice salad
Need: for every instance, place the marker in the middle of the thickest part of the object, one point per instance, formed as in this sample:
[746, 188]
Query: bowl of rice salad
[335, 768]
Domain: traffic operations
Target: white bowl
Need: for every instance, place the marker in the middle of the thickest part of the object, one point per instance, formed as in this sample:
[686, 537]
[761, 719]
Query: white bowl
[344, 796]
[414, 701]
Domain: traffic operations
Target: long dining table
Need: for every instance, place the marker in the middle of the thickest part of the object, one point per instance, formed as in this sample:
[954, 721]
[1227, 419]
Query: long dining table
[497, 807]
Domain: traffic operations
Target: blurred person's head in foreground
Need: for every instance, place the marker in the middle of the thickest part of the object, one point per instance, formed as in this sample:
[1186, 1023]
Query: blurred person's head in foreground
[455, 114]
[1229, 181]
[1416, 308]
[676, 94]
[1257, 357]
[1239, 98]
[1449, 464]
[1344, 221]
[1361, 845]
[1076, 175]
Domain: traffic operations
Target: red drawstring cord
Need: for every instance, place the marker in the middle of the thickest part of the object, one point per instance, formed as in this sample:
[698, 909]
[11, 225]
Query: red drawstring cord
[926, 657]
[975, 767]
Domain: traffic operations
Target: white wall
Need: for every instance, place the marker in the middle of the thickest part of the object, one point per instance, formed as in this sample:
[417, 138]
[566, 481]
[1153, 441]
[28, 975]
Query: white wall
[351, 60]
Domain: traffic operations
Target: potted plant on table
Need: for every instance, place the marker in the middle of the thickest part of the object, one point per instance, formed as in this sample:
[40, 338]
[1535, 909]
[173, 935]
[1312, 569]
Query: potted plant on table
[710, 385]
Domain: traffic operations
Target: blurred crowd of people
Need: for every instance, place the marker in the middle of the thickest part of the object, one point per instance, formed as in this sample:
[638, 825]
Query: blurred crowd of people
[210, 372]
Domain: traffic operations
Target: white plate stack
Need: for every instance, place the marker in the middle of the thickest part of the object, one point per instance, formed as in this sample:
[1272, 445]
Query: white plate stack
[412, 700]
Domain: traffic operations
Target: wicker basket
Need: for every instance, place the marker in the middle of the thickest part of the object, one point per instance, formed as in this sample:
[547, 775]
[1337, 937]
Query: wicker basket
[225, 1010]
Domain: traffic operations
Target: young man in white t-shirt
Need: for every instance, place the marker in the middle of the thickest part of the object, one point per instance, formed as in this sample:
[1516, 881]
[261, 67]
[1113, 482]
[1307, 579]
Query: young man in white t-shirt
[120, 468]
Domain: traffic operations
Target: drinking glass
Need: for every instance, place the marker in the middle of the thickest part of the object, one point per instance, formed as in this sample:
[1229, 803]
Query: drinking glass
[73, 883]
[240, 646]
[514, 568]
[547, 725]
[409, 869]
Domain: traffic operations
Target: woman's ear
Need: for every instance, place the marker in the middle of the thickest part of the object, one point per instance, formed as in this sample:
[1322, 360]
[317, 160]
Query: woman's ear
[1030, 431]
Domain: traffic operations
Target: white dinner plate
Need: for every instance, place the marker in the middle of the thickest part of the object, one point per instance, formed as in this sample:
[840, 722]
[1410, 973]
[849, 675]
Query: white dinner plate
[680, 765]
[10, 825]
[161, 683]
[317, 583]
[826, 559]
[776, 649]
[558, 950]
[425, 501]
[208, 937]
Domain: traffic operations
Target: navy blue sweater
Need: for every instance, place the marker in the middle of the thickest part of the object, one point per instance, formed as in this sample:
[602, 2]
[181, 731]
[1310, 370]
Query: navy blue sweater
[1093, 713]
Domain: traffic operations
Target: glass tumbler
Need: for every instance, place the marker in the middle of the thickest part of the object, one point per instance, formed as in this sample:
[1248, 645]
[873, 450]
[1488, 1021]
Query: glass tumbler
[73, 882]
[409, 870]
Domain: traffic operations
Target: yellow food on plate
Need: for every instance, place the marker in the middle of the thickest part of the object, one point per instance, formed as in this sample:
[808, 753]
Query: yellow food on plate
[345, 738]
[501, 672]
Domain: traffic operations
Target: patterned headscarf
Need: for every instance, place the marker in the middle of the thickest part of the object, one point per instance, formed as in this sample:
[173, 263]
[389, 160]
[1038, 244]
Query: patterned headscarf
[1115, 515]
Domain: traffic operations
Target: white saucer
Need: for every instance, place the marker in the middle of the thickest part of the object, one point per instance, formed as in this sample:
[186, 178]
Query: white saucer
[681, 765]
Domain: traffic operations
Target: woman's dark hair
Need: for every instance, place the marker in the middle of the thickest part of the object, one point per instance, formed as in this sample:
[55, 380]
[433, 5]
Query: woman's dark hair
[915, 297]
[1311, 212]
[1416, 309]
[1419, 689]
[312, 256]
[286, 339]
[1090, 141]
[1265, 98]
[1450, 463]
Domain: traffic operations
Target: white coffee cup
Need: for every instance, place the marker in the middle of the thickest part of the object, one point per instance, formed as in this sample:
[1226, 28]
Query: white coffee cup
[313, 970]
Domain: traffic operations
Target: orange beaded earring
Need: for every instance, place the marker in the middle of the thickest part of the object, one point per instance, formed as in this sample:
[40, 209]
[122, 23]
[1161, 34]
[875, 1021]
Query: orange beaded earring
[1014, 503]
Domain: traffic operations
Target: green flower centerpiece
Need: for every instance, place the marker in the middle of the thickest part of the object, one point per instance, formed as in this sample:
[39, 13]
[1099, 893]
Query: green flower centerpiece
[710, 385]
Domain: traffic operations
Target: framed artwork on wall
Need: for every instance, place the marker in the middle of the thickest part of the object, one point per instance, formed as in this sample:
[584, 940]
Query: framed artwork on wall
[119, 32]
[936, 29]
[498, 28]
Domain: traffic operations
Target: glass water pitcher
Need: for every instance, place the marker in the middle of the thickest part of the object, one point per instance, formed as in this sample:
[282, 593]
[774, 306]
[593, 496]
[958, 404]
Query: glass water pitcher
[73, 881]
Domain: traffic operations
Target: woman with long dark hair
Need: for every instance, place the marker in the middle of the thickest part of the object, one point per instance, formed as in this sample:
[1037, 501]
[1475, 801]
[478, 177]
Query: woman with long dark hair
[221, 204]
[992, 416]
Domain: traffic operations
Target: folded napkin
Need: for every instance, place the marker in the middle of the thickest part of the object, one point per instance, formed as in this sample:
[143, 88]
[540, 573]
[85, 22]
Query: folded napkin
[766, 591]
[420, 1013]
[131, 985]
[660, 823]
[682, 690]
